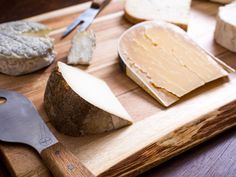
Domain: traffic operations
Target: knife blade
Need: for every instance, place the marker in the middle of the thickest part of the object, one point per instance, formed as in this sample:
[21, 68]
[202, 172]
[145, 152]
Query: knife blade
[87, 17]
[21, 123]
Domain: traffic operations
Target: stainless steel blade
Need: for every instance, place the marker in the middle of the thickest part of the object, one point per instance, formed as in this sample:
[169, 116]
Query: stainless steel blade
[21, 123]
[85, 20]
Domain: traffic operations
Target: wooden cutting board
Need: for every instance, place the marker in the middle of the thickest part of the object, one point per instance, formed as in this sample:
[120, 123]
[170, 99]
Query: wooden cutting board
[158, 133]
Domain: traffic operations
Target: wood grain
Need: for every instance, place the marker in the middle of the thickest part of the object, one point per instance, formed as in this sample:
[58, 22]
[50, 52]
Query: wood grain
[62, 162]
[96, 150]
[215, 157]
[176, 142]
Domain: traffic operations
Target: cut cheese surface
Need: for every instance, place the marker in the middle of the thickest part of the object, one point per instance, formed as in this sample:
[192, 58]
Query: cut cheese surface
[225, 32]
[83, 45]
[93, 90]
[168, 57]
[172, 11]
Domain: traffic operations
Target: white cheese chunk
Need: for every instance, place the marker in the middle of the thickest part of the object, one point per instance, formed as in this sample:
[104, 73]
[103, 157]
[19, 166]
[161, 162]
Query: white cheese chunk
[83, 45]
[225, 31]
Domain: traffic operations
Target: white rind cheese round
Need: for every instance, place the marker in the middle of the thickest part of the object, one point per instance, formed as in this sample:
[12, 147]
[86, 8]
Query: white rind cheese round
[225, 32]
[24, 47]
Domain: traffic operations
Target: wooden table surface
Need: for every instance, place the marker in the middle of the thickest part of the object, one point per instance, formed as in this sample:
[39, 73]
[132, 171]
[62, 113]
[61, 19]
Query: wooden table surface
[215, 158]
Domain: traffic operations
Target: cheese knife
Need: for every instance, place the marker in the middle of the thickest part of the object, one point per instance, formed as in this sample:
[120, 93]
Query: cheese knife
[87, 17]
[21, 123]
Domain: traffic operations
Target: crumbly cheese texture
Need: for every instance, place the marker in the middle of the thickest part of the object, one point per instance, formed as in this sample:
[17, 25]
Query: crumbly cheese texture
[173, 11]
[24, 47]
[83, 45]
[225, 31]
[169, 58]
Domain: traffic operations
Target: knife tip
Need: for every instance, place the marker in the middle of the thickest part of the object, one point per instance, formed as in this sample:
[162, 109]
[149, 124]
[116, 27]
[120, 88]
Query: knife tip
[63, 35]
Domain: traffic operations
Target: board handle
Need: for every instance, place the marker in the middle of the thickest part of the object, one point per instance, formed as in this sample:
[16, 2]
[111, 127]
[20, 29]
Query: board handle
[62, 163]
[99, 4]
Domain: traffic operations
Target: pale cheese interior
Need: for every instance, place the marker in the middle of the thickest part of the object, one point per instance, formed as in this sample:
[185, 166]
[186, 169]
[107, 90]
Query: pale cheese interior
[228, 13]
[169, 58]
[169, 10]
[92, 90]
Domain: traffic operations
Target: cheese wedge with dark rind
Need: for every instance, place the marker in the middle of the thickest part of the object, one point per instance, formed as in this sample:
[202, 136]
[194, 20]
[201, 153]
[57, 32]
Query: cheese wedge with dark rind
[165, 62]
[77, 103]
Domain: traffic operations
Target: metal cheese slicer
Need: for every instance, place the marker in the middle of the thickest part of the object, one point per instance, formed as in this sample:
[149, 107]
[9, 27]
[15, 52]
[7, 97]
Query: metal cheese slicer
[20, 122]
[87, 17]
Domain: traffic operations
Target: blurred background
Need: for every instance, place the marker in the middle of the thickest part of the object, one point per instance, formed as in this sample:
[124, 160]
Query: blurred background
[18, 9]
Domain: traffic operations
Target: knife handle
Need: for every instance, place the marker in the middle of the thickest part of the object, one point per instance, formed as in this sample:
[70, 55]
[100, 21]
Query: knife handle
[62, 163]
[99, 4]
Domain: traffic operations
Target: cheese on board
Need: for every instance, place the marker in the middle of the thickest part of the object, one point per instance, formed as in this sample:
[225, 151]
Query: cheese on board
[176, 12]
[168, 59]
[83, 45]
[225, 31]
[77, 103]
[24, 47]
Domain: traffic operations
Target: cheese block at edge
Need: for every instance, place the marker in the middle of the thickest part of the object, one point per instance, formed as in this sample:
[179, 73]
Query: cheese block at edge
[225, 31]
[78, 103]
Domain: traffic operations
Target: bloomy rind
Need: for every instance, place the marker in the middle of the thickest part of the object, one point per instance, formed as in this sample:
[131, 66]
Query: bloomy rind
[24, 47]
[71, 114]
[8, 66]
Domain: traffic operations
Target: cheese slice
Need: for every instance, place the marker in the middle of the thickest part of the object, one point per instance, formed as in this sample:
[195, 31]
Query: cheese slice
[225, 31]
[173, 11]
[170, 60]
[78, 103]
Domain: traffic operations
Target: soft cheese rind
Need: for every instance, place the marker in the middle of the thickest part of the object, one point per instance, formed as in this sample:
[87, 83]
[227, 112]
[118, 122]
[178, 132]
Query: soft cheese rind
[225, 31]
[78, 103]
[24, 47]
